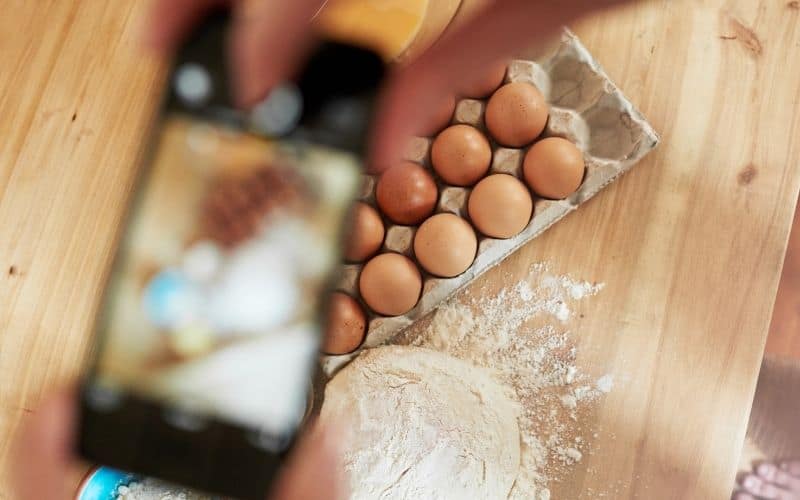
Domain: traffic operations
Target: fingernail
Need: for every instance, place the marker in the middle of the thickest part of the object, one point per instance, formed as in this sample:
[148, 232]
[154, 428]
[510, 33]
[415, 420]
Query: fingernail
[750, 482]
[784, 466]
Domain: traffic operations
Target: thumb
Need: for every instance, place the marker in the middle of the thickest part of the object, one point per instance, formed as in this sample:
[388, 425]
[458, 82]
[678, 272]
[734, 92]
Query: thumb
[44, 448]
[314, 470]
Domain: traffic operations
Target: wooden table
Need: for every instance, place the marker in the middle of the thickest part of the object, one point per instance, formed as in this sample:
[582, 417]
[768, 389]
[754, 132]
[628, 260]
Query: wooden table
[690, 243]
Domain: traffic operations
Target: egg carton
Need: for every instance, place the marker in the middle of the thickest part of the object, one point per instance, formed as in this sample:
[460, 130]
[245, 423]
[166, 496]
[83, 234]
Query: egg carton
[585, 107]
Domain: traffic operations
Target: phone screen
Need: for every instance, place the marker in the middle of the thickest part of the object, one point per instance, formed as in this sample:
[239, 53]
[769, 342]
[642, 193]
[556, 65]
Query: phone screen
[213, 304]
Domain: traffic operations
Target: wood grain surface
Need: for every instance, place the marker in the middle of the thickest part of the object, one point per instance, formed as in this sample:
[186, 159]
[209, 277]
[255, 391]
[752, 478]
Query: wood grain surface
[689, 243]
[76, 93]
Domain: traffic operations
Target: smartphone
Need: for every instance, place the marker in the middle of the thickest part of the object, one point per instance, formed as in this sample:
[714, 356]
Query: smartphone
[207, 338]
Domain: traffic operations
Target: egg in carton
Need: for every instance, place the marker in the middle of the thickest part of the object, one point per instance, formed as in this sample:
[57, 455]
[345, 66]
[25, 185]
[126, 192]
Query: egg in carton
[585, 107]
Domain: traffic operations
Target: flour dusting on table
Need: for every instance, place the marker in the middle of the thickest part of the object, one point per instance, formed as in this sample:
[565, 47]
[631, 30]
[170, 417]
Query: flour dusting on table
[519, 335]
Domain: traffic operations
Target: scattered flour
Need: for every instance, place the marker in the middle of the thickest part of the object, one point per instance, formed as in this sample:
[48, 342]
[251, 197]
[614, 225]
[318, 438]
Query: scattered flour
[569, 401]
[605, 383]
[569, 455]
[513, 334]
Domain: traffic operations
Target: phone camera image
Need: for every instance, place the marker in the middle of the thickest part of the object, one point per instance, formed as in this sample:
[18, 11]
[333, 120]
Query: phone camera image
[214, 305]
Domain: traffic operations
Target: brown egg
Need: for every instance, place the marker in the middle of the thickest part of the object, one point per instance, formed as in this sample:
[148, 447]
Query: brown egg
[553, 168]
[516, 114]
[346, 325]
[486, 83]
[441, 118]
[390, 284]
[461, 155]
[366, 233]
[406, 193]
[445, 245]
[500, 206]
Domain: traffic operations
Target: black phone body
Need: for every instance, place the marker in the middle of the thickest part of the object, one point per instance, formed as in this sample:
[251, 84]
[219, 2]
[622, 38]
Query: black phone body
[207, 338]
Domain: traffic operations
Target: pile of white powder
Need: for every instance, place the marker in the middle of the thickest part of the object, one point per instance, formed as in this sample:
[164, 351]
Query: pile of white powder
[519, 335]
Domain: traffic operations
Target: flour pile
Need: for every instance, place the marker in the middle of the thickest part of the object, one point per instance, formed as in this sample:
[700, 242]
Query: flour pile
[424, 425]
[518, 335]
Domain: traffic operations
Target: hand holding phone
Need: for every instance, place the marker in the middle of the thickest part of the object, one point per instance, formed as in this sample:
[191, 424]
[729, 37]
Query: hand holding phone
[209, 332]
